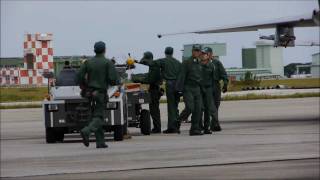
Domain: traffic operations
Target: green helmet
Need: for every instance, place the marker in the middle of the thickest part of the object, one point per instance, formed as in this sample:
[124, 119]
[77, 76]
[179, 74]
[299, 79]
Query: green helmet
[99, 47]
[206, 50]
[168, 51]
[148, 55]
[196, 47]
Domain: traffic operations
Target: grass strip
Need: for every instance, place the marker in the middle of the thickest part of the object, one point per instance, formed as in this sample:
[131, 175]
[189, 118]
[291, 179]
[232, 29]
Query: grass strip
[23, 106]
[263, 96]
[22, 94]
[226, 98]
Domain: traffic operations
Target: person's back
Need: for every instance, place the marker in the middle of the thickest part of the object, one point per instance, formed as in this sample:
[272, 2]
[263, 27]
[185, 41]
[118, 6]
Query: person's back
[170, 70]
[98, 75]
[170, 67]
[94, 77]
[154, 77]
[67, 65]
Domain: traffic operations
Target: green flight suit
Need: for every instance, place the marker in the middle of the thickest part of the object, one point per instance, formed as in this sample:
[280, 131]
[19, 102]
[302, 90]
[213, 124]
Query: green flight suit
[97, 74]
[170, 69]
[154, 80]
[189, 83]
[219, 74]
[209, 109]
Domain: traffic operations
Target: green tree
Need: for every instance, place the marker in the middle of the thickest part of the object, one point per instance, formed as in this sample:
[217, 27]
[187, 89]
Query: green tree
[248, 76]
[250, 79]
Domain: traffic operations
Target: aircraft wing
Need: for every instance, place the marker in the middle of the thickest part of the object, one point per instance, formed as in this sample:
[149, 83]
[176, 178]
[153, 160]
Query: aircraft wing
[307, 20]
[298, 21]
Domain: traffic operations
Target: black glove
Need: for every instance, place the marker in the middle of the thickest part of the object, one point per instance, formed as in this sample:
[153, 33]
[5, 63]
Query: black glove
[130, 67]
[179, 93]
[225, 88]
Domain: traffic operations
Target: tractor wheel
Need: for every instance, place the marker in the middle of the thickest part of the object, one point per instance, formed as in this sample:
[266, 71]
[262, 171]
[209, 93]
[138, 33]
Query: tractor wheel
[145, 122]
[59, 134]
[50, 135]
[118, 133]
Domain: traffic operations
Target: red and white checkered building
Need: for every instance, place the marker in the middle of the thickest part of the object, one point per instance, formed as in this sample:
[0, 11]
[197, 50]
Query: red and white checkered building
[9, 76]
[38, 58]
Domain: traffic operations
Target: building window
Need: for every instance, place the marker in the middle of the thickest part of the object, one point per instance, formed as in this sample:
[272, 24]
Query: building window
[29, 58]
[16, 80]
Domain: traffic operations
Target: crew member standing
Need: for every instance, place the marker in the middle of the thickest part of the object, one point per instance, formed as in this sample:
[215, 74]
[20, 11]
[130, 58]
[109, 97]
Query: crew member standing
[170, 69]
[220, 74]
[94, 77]
[67, 65]
[189, 83]
[206, 91]
[154, 80]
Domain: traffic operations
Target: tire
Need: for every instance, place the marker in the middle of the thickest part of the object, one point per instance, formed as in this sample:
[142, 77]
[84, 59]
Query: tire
[50, 135]
[118, 133]
[59, 135]
[145, 122]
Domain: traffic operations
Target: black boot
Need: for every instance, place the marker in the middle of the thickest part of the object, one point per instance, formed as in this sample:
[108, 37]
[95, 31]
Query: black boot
[171, 131]
[207, 131]
[195, 133]
[102, 146]
[216, 128]
[156, 131]
[85, 139]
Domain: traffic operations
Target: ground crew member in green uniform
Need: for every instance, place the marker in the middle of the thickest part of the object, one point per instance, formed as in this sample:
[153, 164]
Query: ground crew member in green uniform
[206, 91]
[154, 80]
[170, 69]
[209, 109]
[189, 83]
[219, 74]
[94, 77]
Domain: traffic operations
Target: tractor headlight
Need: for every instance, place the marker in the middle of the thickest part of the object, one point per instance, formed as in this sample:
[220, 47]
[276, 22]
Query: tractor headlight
[53, 107]
[111, 105]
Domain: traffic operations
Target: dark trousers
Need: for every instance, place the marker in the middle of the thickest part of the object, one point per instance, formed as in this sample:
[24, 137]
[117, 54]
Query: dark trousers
[172, 104]
[97, 118]
[155, 95]
[193, 100]
[209, 109]
[217, 101]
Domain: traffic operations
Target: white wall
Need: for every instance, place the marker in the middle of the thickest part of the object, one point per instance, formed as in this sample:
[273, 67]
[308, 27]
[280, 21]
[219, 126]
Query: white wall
[270, 57]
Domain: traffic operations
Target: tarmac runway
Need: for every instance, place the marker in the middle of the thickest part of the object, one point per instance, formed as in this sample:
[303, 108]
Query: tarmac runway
[261, 139]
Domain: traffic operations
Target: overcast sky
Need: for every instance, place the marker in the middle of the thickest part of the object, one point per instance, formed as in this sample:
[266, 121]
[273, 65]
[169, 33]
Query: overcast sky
[131, 26]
